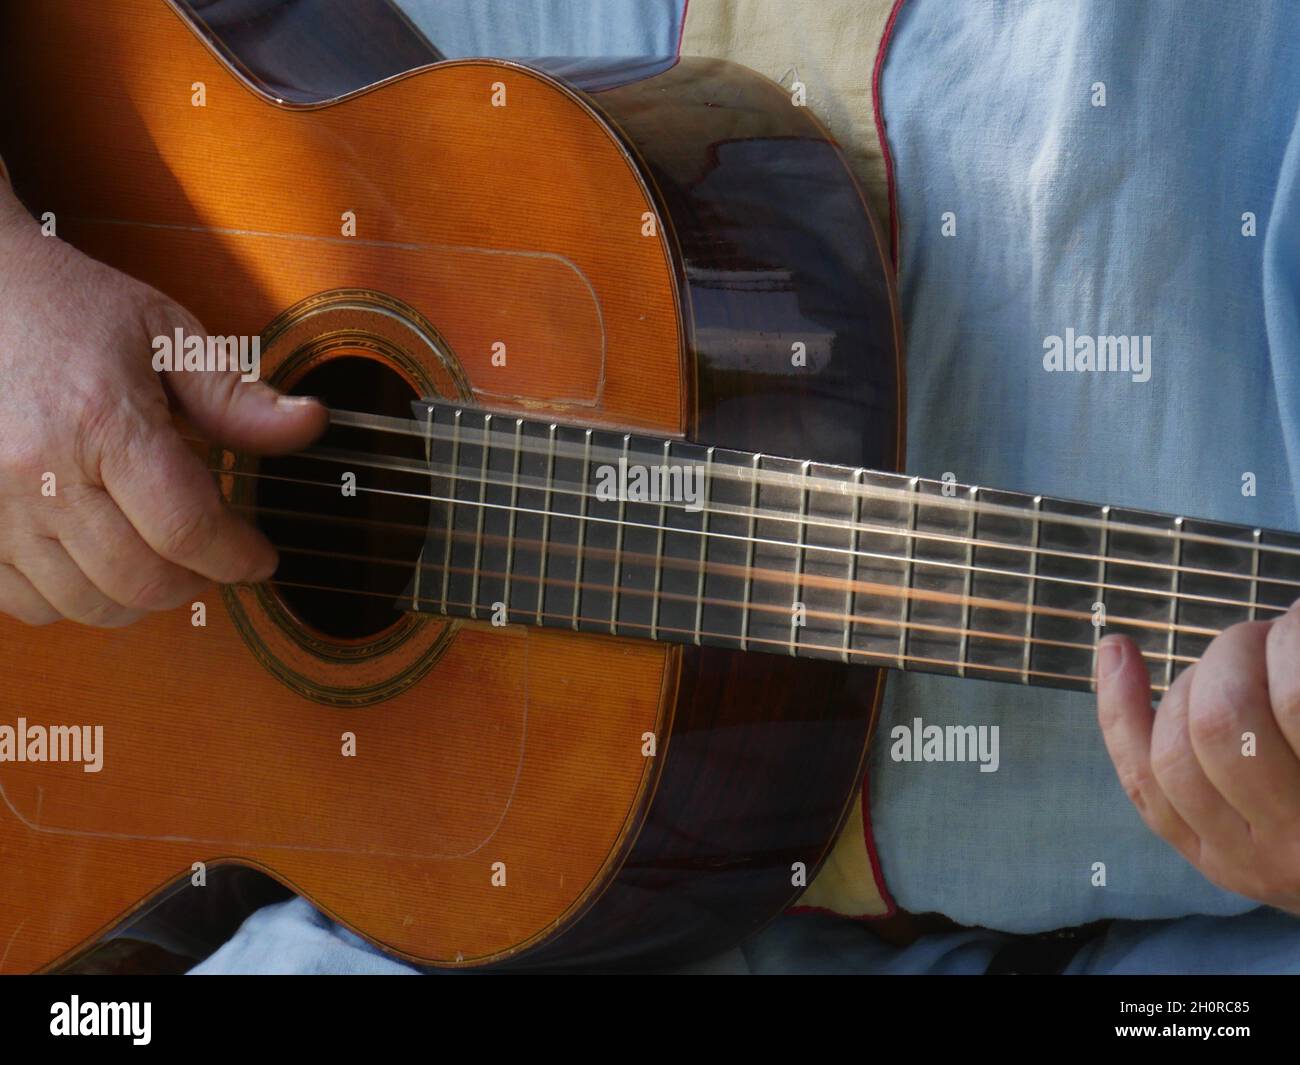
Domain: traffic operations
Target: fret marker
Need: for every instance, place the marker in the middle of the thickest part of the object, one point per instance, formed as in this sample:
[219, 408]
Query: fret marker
[800, 613]
[852, 575]
[704, 543]
[1254, 572]
[905, 607]
[546, 519]
[963, 648]
[1102, 554]
[580, 547]
[1172, 642]
[755, 470]
[514, 506]
[1031, 588]
[478, 520]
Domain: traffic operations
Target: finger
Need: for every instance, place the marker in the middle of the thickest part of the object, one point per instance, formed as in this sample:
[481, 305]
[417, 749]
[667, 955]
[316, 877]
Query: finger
[117, 561]
[1233, 732]
[1180, 774]
[51, 571]
[247, 415]
[167, 494]
[20, 600]
[1283, 654]
[244, 414]
[1124, 712]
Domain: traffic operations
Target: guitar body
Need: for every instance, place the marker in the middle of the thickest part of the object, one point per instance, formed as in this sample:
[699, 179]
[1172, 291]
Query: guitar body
[647, 243]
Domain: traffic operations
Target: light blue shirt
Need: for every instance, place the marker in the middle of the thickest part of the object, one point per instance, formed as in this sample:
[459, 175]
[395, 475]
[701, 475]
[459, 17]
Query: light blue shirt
[1118, 219]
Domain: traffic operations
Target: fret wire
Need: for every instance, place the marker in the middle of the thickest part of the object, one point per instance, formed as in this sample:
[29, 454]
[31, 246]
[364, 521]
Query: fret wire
[451, 506]
[1101, 589]
[1031, 591]
[686, 632]
[704, 539]
[1173, 604]
[546, 522]
[838, 550]
[858, 476]
[417, 585]
[966, 585]
[749, 552]
[863, 619]
[514, 514]
[885, 531]
[799, 563]
[906, 606]
[482, 512]
[618, 538]
[582, 527]
[659, 550]
[1254, 573]
[385, 424]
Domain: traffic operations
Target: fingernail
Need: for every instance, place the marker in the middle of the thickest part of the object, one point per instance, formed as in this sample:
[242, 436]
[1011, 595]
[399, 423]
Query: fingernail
[296, 402]
[264, 572]
[1110, 657]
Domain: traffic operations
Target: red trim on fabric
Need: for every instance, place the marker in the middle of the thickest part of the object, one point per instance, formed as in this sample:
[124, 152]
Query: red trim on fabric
[891, 908]
[880, 129]
[681, 30]
[868, 837]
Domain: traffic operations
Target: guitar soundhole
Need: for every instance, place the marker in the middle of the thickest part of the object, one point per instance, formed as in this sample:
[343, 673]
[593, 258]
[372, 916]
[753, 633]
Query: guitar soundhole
[347, 558]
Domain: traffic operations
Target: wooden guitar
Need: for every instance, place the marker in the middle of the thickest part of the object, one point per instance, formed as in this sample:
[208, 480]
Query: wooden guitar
[584, 327]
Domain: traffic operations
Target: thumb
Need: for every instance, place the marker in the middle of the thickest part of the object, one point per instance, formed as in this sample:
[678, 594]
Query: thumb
[248, 415]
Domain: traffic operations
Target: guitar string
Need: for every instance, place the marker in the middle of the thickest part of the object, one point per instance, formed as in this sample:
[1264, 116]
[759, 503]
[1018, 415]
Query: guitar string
[771, 608]
[747, 474]
[758, 514]
[1037, 577]
[824, 548]
[887, 658]
[835, 584]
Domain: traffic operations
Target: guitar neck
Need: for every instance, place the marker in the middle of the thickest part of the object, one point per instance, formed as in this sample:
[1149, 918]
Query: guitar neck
[629, 535]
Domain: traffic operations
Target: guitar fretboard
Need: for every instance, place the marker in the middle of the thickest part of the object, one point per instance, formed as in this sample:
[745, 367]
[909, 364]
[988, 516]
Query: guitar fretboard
[539, 523]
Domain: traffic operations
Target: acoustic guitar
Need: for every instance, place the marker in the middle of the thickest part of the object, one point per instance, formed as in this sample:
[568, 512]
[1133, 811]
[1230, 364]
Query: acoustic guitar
[585, 599]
